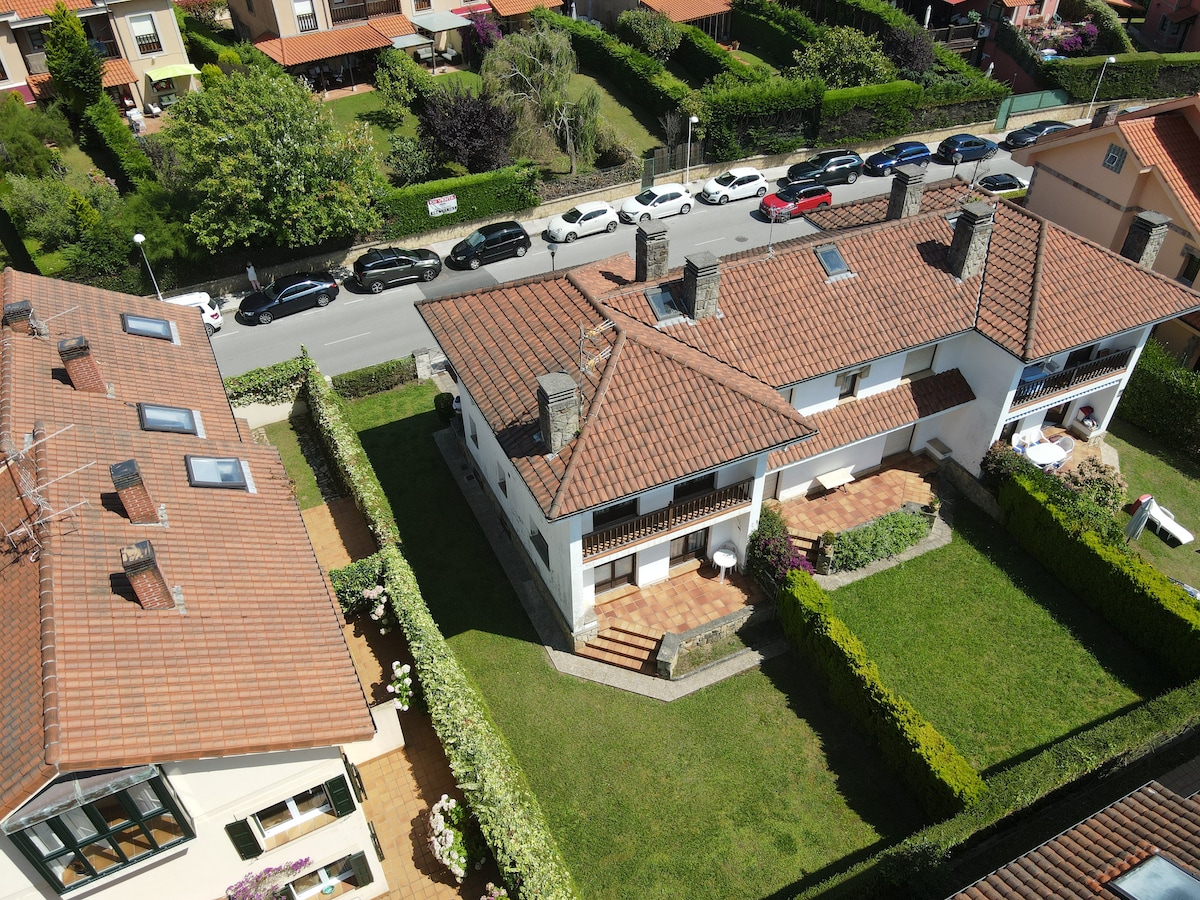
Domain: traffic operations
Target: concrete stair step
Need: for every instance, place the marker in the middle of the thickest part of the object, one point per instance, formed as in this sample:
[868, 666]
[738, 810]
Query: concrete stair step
[619, 635]
[614, 659]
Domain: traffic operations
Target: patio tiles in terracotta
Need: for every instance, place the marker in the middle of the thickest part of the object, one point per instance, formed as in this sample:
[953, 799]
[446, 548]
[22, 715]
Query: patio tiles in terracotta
[691, 597]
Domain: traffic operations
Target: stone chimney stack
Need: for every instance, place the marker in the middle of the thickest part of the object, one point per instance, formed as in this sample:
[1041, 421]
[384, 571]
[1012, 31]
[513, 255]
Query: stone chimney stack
[652, 247]
[1105, 115]
[558, 409]
[18, 314]
[701, 285]
[908, 184]
[972, 232]
[149, 586]
[82, 368]
[1145, 237]
[135, 497]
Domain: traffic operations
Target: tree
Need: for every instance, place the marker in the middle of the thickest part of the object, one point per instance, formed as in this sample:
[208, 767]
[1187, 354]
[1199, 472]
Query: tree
[75, 68]
[651, 32]
[466, 128]
[205, 11]
[411, 163]
[843, 57]
[909, 49]
[394, 83]
[24, 135]
[258, 162]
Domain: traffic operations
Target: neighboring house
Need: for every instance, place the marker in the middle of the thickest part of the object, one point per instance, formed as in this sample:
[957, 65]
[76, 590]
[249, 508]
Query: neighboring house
[177, 684]
[713, 17]
[1171, 26]
[625, 417]
[1095, 178]
[144, 58]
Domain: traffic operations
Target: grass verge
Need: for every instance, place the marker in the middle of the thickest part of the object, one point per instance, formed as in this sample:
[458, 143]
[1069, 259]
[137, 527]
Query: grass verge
[283, 436]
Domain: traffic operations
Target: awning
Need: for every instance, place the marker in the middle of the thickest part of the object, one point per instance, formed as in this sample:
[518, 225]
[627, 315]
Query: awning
[1182, 15]
[473, 8]
[76, 790]
[409, 40]
[435, 22]
[175, 71]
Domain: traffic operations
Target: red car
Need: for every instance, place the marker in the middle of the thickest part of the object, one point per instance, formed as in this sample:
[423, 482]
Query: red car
[794, 200]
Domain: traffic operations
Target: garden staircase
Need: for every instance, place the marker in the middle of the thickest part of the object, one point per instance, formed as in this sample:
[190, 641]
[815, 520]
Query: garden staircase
[805, 542]
[626, 644]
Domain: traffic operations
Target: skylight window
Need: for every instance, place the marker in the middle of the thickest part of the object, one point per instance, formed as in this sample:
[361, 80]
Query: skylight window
[145, 326]
[831, 259]
[216, 472]
[168, 418]
[1157, 879]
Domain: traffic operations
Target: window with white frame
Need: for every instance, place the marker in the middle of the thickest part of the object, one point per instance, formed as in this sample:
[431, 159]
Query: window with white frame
[847, 382]
[333, 879]
[1114, 158]
[145, 34]
[283, 821]
[168, 418]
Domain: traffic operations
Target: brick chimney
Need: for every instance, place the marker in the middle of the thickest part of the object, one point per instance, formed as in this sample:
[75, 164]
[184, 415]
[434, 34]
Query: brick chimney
[149, 586]
[82, 368]
[701, 285]
[908, 184]
[18, 314]
[1105, 115]
[558, 409]
[972, 232]
[652, 247]
[135, 497]
[1145, 237]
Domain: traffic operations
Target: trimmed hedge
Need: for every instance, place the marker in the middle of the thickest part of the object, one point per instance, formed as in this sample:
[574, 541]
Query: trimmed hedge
[886, 536]
[279, 383]
[702, 56]
[1011, 41]
[481, 196]
[865, 113]
[112, 130]
[375, 379]
[932, 768]
[1158, 383]
[778, 30]
[1111, 36]
[776, 116]
[1132, 75]
[869, 16]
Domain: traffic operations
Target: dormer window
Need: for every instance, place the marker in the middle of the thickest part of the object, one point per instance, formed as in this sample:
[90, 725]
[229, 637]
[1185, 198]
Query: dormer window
[169, 418]
[145, 326]
[831, 260]
[217, 472]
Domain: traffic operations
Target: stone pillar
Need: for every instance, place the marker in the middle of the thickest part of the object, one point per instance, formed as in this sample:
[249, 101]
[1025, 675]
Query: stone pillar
[652, 247]
[701, 285]
[972, 232]
[558, 409]
[1145, 238]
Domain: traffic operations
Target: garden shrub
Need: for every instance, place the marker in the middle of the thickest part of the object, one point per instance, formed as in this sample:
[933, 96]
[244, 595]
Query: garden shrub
[1178, 75]
[777, 30]
[925, 761]
[865, 113]
[703, 57]
[1111, 36]
[770, 553]
[375, 379]
[405, 210]
[1000, 462]
[279, 383]
[443, 405]
[775, 116]
[1132, 75]
[1160, 383]
[108, 126]
[1010, 39]
[350, 581]
[886, 536]
[870, 16]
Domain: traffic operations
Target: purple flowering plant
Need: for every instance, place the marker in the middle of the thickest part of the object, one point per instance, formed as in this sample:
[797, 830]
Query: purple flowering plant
[267, 883]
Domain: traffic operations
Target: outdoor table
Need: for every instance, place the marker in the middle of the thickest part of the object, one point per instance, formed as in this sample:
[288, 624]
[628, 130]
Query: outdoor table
[838, 478]
[1045, 453]
[724, 559]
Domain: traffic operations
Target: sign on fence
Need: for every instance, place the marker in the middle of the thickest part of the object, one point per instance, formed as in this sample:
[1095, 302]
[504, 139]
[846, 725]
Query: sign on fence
[440, 206]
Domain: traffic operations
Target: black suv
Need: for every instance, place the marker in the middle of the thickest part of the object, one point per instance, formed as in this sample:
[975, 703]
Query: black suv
[490, 243]
[383, 266]
[828, 167]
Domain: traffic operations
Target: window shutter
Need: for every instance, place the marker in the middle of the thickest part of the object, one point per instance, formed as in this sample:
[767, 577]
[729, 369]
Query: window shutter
[362, 870]
[245, 841]
[339, 796]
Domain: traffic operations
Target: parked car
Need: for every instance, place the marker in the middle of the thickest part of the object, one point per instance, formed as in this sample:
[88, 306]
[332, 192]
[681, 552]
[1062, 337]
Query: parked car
[1033, 133]
[287, 295]
[586, 218]
[210, 313]
[1001, 182]
[384, 266]
[657, 202]
[828, 167]
[794, 200]
[736, 184]
[490, 243]
[966, 147]
[901, 153]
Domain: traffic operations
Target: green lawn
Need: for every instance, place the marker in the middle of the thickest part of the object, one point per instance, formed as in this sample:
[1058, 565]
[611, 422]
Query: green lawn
[363, 108]
[1174, 480]
[1000, 657]
[637, 129]
[283, 436]
[737, 791]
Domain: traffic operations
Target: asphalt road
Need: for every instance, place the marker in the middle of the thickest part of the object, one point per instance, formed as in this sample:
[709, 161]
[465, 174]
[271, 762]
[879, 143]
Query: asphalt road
[362, 329]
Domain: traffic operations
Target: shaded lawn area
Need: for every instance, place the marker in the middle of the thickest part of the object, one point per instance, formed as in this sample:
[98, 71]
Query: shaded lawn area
[1173, 478]
[363, 109]
[1000, 657]
[283, 436]
[743, 788]
[637, 129]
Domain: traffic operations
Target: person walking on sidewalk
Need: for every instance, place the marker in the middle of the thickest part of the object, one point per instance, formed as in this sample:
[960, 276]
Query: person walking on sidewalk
[255, 284]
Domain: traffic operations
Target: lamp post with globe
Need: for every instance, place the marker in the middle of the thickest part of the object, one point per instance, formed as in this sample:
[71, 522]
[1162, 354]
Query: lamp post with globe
[140, 239]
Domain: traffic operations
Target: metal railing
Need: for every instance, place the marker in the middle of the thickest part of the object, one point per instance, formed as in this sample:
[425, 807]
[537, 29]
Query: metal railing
[348, 12]
[955, 35]
[666, 519]
[306, 22]
[1069, 378]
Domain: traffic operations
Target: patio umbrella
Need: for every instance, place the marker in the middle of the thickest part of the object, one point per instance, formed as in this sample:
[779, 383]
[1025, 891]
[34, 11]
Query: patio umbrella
[1133, 529]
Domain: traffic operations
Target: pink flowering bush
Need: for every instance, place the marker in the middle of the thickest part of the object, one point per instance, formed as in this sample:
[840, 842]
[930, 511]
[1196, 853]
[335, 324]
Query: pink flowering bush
[265, 885]
[492, 892]
[452, 839]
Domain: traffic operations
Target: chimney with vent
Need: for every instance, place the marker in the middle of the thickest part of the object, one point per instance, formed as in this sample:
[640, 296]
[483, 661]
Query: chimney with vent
[701, 285]
[558, 409]
[1145, 238]
[1105, 115]
[18, 314]
[652, 247]
[127, 479]
[972, 232]
[908, 184]
[149, 586]
[82, 367]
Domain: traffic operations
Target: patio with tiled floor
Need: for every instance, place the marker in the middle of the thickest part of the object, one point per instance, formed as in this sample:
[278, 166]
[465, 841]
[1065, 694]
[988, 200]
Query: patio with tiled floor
[692, 596]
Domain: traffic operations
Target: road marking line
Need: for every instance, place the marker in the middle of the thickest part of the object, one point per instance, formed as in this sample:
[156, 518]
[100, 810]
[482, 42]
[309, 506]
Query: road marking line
[713, 241]
[352, 302]
[351, 338]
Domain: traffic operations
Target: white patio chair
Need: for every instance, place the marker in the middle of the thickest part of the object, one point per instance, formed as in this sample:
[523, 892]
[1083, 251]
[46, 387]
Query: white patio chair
[1066, 442]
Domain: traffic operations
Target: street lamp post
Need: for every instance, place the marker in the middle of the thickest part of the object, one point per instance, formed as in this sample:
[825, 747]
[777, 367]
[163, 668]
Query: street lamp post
[140, 239]
[553, 250]
[687, 169]
[1096, 92]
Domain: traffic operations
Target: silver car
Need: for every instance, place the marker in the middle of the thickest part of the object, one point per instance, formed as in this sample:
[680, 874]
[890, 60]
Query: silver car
[657, 202]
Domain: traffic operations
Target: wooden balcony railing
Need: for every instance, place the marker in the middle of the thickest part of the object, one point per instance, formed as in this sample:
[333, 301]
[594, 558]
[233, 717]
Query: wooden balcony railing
[349, 12]
[1029, 391]
[668, 519]
[956, 35]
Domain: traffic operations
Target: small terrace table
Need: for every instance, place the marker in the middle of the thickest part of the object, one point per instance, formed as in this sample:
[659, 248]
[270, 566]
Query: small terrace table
[1045, 453]
[838, 478]
[724, 559]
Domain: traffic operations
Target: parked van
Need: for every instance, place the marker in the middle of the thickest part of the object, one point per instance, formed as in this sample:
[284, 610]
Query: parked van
[207, 306]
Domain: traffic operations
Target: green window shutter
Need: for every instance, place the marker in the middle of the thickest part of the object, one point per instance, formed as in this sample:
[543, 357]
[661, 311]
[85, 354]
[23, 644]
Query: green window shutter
[362, 870]
[245, 841]
[339, 796]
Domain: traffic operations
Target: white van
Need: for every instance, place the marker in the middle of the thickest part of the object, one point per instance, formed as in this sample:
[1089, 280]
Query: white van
[208, 308]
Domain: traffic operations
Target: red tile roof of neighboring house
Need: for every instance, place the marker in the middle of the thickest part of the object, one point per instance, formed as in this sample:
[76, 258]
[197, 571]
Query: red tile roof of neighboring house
[1014, 4]
[1081, 863]
[32, 9]
[117, 72]
[506, 8]
[1171, 143]
[256, 627]
[305, 48]
[687, 10]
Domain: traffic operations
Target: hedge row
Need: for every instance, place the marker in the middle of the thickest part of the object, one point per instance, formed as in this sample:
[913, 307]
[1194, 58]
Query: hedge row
[375, 379]
[886, 536]
[1149, 75]
[512, 189]
[778, 30]
[869, 16]
[704, 58]
[279, 383]
[1111, 36]
[1130, 593]
[1158, 383]
[112, 130]
[778, 116]
[936, 772]
[869, 112]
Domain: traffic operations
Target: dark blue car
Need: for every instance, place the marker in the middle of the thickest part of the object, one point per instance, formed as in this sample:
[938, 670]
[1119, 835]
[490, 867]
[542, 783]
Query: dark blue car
[965, 148]
[901, 153]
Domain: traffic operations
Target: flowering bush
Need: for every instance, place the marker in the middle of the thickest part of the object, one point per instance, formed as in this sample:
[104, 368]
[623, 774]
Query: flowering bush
[380, 608]
[771, 552]
[493, 892]
[1068, 38]
[401, 685]
[265, 885]
[450, 838]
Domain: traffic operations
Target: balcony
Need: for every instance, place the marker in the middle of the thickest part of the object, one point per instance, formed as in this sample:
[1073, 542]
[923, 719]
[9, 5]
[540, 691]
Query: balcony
[105, 49]
[350, 12]
[668, 519]
[307, 22]
[956, 37]
[1102, 367]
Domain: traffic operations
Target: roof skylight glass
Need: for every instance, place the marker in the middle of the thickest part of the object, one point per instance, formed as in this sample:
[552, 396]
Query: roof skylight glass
[166, 418]
[218, 472]
[1157, 879]
[146, 326]
[831, 258]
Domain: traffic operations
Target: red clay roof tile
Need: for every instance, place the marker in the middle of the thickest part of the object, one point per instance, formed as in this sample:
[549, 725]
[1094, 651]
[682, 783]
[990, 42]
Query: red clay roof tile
[505, 8]
[305, 48]
[1171, 143]
[687, 10]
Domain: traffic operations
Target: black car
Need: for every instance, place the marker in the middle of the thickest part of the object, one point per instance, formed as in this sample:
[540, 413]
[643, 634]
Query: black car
[490, 243]
[1001, 182]
[383, 266]
[1031, 134]
[289, 294]
[959, 148]
[828, 167]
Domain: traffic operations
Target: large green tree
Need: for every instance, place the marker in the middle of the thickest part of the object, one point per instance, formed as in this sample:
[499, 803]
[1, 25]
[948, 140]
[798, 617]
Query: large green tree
[260, 162]
[650, 31]
[844, 57]
[25, 134]
[75, 68]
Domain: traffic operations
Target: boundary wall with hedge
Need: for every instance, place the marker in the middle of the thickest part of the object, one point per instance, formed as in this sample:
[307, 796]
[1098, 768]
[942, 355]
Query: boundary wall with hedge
[1159, 383]
[405, 210]
[107, 125]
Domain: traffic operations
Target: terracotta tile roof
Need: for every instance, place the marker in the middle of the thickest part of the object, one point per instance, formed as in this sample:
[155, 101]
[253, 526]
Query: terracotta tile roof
[392, 26]
[1080, 863]
[1171, 143]
[1014, 4]
[258, 626]
[687, 10]
[317, 45]
[885, 411]
[117, 72]
[32, 9]
[941, 195]
[505, 8]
